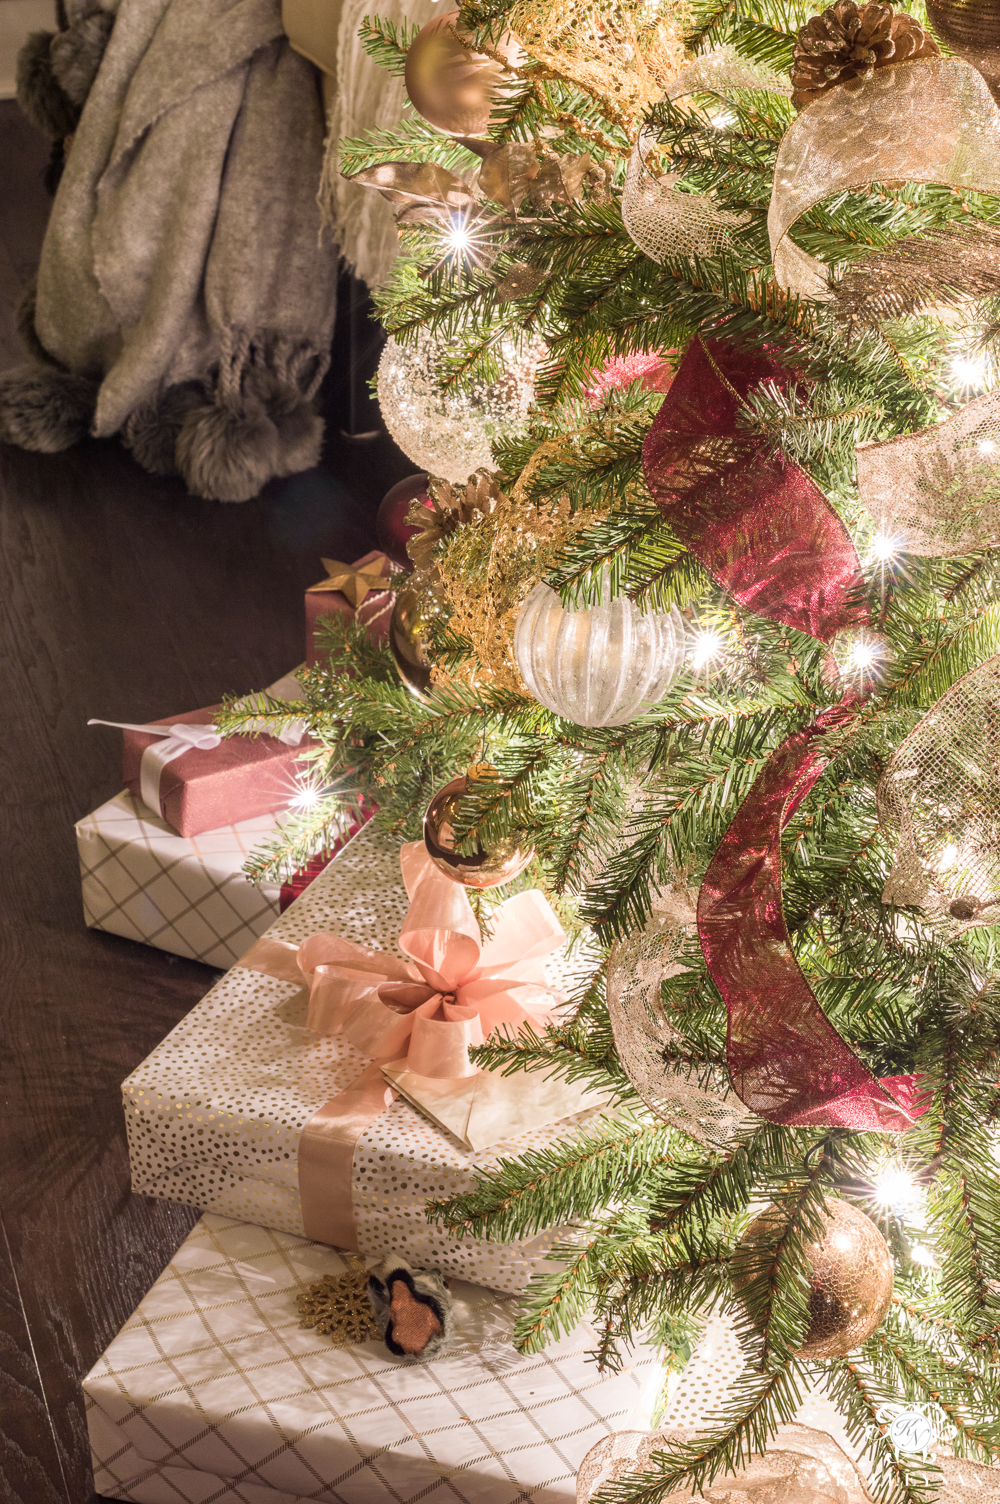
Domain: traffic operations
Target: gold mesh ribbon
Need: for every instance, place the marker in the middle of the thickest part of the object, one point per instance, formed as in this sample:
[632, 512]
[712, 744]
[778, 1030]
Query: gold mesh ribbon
[932, 121]
[941, 792]
[937, 492]
[662, 221]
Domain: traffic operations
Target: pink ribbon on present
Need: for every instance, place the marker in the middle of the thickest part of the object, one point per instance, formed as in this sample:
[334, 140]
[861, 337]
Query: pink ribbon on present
[453, 993]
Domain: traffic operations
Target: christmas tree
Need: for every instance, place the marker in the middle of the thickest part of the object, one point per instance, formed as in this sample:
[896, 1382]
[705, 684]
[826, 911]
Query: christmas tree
[737, 258]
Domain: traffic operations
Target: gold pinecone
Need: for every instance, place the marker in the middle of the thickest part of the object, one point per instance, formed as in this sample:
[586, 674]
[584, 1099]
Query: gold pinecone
[848, 42]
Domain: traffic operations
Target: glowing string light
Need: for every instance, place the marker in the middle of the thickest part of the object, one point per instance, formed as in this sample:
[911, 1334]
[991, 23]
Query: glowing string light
[706, 646]
[885, 548]
[948, 857]
[861, 657]
[969, 370]
[306, 798]
[896, 1188]
[464, 240]
[458, 238]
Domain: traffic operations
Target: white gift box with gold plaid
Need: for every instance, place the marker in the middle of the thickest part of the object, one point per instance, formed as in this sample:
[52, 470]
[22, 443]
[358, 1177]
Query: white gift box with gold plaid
[214, 1392]
[188, 896]
[216, 1112]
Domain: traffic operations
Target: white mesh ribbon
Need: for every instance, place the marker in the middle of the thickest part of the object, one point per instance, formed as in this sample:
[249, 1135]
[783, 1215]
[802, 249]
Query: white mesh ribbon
[937, 492]
[662, 221]
[695, 1098]
[931, 121]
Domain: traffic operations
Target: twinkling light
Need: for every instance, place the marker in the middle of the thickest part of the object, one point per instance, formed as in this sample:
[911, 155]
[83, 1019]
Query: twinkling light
[466, 239]
[948, 857]
[970, 370]
[896, 1188]
[885, 548]
[306, 798]
[861, 656]
[458, 237]
[705, 646]
[986, 446]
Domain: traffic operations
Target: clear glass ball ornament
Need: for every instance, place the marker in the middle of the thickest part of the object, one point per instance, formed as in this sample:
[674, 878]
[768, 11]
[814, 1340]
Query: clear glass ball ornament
[449, 433]
[599, 667]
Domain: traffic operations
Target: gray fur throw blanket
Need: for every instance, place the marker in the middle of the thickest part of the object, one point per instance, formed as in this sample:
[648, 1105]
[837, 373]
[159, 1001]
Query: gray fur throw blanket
[185, 296]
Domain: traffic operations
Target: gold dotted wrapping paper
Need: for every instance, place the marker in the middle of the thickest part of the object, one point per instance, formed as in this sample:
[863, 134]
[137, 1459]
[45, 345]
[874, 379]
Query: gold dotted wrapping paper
[214, 1114]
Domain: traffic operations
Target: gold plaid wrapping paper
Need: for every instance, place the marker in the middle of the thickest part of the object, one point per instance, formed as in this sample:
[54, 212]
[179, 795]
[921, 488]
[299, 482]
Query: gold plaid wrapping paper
[214, 1114]
[213, 1392]
[188, 896]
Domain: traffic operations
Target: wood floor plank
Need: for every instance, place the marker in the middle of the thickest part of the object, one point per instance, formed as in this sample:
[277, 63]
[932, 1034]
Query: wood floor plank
[32, 1441]
[122, 597]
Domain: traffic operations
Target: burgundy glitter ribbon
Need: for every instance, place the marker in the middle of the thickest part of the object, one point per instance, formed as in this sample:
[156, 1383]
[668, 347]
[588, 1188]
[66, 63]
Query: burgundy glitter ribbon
[768, 536]
[786, 1060]
[759, 525]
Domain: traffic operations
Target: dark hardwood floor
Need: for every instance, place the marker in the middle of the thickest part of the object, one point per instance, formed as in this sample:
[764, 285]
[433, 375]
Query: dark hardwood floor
[120, 597]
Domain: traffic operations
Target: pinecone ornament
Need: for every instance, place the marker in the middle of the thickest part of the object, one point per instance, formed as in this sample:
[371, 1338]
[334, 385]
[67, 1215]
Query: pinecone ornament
[848, 42]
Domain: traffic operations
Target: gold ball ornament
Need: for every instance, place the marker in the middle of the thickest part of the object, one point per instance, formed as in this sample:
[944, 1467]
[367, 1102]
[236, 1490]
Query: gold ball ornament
[481, 869]
[850, 1286]
[408, 642]
[448, 83]
[972, 29]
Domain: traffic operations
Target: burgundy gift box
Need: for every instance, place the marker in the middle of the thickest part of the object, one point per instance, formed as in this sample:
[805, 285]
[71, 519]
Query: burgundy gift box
[374, 610]
[241, 778]
[300, 880]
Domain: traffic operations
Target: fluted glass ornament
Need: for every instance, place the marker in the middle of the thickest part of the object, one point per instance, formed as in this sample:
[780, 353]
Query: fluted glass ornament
[599, 667]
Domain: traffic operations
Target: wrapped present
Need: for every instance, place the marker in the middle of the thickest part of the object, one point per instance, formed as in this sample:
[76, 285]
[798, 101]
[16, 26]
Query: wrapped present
[186, 895]
[214, 1391]
[246, 1111]
[356, 590]
[197, 780]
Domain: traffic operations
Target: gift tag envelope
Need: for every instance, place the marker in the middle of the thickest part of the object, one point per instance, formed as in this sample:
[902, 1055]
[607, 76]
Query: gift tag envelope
[488, 1108]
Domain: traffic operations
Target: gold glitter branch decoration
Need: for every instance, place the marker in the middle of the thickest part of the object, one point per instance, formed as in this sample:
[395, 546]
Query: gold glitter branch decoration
[495, 556]
[338, 1307]
[940, 267]
[623, 55]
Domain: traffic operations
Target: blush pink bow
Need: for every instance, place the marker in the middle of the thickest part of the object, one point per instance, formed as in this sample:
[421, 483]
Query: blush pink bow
[455, 990]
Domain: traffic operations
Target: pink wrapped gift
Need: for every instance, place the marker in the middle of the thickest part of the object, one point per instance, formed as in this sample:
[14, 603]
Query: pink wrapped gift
[352, 590]
[196, 780]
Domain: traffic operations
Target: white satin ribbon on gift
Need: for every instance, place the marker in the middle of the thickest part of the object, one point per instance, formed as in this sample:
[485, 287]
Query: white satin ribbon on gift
[176, 739]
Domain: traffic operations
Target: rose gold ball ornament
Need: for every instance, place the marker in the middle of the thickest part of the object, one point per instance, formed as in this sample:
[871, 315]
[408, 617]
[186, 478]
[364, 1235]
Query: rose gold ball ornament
[453, 87]
[850, 1286]
[483, 869]
[972, 29]
[408, 642]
